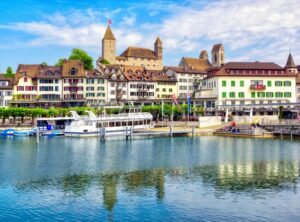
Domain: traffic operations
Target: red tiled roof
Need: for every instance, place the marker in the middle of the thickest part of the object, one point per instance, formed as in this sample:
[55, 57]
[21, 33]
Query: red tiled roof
[217, 47]
[9, 79]
[252, 65]
[137, 52]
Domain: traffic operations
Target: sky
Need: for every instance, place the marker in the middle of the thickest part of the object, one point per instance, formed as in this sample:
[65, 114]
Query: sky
[35, 31]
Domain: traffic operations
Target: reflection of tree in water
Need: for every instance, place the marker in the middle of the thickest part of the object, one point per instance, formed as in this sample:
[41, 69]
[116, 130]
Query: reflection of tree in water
[77, 184]
[109, 183]
[137, 180]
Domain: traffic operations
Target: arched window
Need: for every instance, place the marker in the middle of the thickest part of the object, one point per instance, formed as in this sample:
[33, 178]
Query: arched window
[216, 58]
[73, 71]
[48, 73]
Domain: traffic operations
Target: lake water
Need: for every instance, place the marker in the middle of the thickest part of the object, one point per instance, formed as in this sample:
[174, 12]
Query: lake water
[162, 179]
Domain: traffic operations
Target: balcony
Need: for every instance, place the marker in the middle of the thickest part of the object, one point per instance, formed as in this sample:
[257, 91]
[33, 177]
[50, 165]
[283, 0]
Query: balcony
[257, 87]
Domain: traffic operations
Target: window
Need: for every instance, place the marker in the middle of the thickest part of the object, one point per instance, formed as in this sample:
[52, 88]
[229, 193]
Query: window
[269, 94]
[242, 83]
[279, 94]
[287, 83]
[241, 94]
[269, 83]
[25, 79]
[260, 94]
[232, 94]
[73, 72]
[223, 83]
[170, 90]
[287, 94]
[223, 94]
[232, 83]
[278, 83]
[252, 94]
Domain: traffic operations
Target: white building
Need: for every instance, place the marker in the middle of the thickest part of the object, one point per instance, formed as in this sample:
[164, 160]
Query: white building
[6, 90]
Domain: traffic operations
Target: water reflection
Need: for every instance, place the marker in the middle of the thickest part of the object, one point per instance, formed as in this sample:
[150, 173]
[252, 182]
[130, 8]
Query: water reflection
[280, 175]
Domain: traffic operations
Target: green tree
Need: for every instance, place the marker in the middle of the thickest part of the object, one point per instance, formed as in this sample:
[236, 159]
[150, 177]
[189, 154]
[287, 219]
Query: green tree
[104, 62]
[60, 62]
[79, 54]
[9, 72]
[44, 63]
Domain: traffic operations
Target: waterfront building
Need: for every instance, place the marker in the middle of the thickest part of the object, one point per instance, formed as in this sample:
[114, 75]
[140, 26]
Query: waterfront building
[96, 88]
[49, 82]
[298, 88]
[25, 86]
[6, 90]
[248, 83]
[132, 56]
[166, 85]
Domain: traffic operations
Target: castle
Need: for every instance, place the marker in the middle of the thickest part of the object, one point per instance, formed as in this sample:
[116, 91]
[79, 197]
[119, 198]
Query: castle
[132, 56]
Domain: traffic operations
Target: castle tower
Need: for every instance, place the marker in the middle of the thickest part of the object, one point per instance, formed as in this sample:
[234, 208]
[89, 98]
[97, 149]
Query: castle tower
[109, 46]
[203, 55]
[158, 49]
[290, 64]
[217, 55]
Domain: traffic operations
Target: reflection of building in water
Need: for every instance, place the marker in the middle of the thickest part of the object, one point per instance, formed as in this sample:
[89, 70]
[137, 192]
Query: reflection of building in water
[134, 181]
[77, 184]
[260, 174]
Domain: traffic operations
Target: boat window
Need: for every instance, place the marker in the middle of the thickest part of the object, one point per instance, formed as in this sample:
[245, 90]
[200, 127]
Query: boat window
[118, 124]
[85, 131]
[99, 125]
[105, 124]
[148, 121]
[141, 123]
[136, 122]
[130, 123]
[111, 124]
[124, 124]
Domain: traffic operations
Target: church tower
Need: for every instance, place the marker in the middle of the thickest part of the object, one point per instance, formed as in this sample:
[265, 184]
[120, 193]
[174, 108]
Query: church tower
[217, 55]
[290, 64]
[158, 49]
[109, 46]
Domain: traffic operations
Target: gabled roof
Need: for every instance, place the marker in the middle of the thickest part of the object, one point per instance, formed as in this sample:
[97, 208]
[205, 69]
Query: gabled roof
[158, 41]
[203, 55]
[290, 62]
[69, 64]
[109, 34]
[252, 65]
[30, 71]
[195, 63]
[137, 52]
[49, 72]
[217, 47]
[8, 79]
[179, 69]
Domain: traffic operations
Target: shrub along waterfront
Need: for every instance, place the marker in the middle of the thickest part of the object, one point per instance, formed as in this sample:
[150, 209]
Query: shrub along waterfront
[156, 111]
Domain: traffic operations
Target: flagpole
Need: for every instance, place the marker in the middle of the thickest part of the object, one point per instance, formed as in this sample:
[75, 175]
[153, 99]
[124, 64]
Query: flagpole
[172, 113]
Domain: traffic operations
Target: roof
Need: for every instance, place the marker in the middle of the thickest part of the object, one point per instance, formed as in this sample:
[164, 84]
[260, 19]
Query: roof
[9, 79]
[217, 47]
[109, 34]
[94, 74]
[252, 65]
[137, 52]
[137, 73]
[108, 71]
[69, 64]
[203, 55]
[179, 69]
[49, 72]
[290, 62]
[158, 41]
[195, 63]
[31, 71]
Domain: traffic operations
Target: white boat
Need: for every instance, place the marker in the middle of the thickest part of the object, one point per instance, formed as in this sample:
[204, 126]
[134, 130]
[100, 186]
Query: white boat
[107, 125]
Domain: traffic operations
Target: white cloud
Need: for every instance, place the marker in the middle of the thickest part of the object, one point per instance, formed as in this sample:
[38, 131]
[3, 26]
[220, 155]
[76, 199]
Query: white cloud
[249, 29]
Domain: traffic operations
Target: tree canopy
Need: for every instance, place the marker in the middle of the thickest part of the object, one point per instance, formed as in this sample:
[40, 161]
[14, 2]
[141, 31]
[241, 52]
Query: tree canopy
[79, 54]
[9, 72]
[60, 62]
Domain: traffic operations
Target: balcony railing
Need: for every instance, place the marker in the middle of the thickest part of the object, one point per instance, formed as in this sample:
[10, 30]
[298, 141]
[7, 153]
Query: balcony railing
[258, 87]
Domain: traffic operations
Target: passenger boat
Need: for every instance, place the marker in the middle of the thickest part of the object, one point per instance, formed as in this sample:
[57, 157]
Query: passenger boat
[107, 125]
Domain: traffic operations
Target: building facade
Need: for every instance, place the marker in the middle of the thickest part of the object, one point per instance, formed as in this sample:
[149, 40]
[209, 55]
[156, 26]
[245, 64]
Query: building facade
[132, 56]
[6, 90]
[247, 83]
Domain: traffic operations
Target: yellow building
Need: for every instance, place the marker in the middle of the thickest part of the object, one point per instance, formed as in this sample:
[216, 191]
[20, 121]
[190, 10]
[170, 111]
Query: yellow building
[166, 86]
[132, 56]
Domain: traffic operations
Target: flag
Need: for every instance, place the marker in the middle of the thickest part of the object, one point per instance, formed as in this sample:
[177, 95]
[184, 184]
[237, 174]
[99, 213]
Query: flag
[189, 103]
[109, 22]
[176, 101]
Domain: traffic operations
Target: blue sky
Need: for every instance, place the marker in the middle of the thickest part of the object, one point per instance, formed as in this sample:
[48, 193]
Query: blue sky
[32, 31]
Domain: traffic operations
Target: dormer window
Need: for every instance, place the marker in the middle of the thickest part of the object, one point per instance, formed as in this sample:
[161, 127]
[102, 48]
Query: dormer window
[56, 73]
[73, 72]
[25, 79]
[48, 73]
